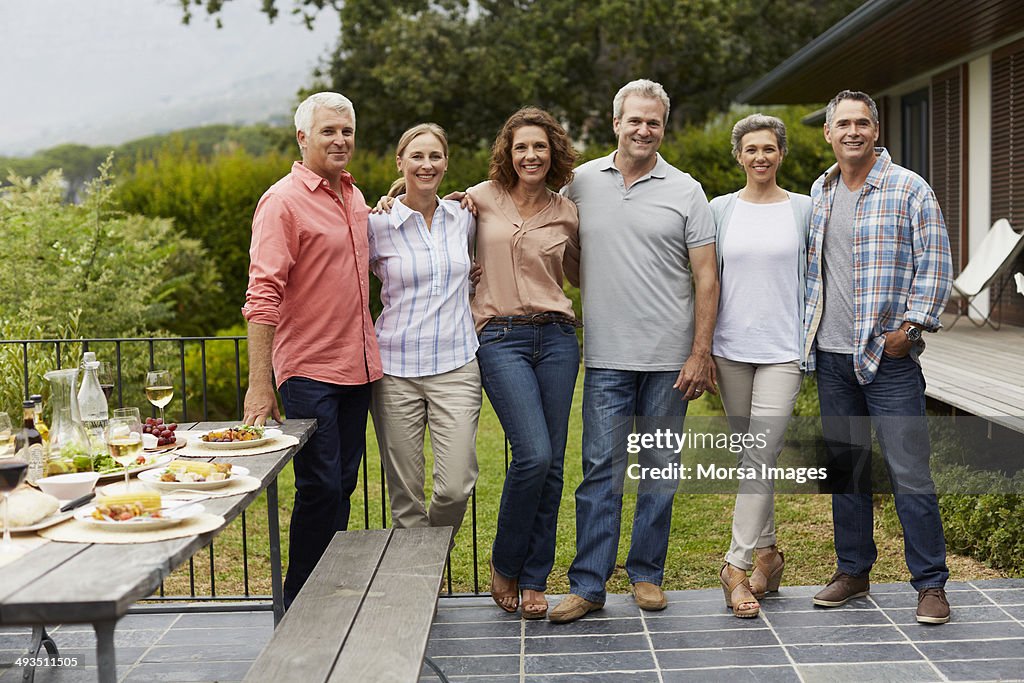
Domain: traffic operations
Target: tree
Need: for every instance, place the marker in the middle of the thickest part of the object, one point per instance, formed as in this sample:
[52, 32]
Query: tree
[467, 66]
[117, 274]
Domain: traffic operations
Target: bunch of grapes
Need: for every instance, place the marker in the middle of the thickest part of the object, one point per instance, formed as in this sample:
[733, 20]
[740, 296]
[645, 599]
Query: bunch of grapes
[164, 433]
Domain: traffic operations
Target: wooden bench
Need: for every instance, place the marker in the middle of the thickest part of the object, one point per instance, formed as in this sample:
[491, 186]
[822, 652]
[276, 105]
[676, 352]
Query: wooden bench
[365, 612]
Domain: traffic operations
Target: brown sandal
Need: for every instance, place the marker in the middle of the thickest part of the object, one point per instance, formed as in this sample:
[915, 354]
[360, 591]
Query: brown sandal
[767, 574]
[534, 609]
[737, 592]
[500, 597]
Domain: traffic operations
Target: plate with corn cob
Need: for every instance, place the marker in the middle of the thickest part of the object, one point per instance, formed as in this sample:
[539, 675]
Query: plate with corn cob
[192, 475]
[141, 509]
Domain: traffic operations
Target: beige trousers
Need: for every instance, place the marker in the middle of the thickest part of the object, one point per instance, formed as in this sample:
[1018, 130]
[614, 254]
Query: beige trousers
[758, 399]
[402, 409]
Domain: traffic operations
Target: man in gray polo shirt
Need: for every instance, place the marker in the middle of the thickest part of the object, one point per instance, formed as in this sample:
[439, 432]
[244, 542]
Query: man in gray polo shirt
[643, 226]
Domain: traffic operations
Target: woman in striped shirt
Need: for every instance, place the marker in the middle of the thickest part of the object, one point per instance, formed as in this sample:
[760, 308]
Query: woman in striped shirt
[420, 251]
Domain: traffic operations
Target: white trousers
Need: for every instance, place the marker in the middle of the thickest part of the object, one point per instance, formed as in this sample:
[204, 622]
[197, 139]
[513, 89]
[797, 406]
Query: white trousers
[758, 399]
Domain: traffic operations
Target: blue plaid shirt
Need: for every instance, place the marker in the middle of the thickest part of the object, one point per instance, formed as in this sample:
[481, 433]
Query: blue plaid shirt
[902, 270]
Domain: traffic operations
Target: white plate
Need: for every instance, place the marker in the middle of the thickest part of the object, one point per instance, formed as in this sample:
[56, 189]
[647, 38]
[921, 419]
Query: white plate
[175, 515]
[152, 479]
[179, 442]
[268, 434]
[154, 460]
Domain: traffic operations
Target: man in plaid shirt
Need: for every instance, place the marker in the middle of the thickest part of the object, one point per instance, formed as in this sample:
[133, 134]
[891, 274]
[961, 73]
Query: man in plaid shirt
[879, 273]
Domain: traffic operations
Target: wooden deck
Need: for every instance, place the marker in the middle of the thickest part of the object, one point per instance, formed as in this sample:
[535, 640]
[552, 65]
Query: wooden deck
[978, 371]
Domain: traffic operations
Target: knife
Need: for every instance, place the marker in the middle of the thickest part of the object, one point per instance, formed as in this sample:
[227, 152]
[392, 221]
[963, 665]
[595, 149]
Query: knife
[79, 502]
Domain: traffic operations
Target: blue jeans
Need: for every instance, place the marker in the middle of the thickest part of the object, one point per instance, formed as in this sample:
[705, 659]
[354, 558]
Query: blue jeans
[611, 399]
[529, 373]
[326, 469]
[895, 403]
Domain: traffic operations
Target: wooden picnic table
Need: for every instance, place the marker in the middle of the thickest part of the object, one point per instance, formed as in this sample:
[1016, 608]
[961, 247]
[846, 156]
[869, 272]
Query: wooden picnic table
[97, 583]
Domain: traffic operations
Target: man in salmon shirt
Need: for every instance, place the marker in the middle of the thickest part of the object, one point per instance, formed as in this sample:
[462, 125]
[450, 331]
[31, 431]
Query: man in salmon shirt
[309, 323]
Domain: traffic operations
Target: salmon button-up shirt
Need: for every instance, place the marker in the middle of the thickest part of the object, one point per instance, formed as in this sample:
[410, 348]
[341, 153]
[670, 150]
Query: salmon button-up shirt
[309, 278]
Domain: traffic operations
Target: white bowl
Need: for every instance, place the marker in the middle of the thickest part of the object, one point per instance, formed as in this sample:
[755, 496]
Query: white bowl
[69, 486]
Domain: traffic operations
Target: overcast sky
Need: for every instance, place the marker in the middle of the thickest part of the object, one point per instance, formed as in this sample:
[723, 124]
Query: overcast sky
[106, 71]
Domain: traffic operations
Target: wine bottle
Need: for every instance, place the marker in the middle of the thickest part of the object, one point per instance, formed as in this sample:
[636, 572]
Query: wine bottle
[28, 443]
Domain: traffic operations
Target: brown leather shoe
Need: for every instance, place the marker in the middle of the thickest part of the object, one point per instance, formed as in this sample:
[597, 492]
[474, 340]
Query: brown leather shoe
[572, 608]
[932, 606]
[841, 589]
[649, 597]
[767, 575]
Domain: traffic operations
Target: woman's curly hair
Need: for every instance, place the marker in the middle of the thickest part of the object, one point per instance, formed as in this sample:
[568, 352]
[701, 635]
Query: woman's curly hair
[563, 156]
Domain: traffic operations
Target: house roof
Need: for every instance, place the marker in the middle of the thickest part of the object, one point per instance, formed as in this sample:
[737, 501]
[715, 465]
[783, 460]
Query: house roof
[885, 42]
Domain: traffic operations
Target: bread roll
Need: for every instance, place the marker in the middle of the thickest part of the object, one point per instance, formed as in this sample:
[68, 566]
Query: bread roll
[29, 506]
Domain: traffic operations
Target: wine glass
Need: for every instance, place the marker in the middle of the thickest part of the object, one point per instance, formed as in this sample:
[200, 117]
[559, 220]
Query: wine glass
[5, 433]
[124, 441]
[12, 473]
[159, 389]
[105, 374]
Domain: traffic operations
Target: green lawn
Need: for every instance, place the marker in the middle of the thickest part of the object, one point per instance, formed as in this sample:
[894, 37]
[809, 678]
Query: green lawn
[700, 536]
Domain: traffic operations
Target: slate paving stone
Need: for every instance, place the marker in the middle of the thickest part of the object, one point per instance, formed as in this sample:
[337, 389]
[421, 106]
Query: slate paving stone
[973, 649]
[79, 674]
[579, 644]
[713, 639]
[868, 673]
[157, 621]
[585, 626]
[1016, 612]
[591, 662]
[463, 615]
[469, 647]
[908, 615]
[465, 666]
[828, 617]
[493, 629]
[998, 583]
[701, 594]
[958, 631]
[222, 637]
[752, 674]
[824, 654]
[997, 670]
[224, 620]
[602, 677]
[738, 656]
[1013, 596]
[122, 638]
[207, 652]
[840, 635]
[428, 676]
[86, 656]
[802, 604]
[716, 623]
[192, 673]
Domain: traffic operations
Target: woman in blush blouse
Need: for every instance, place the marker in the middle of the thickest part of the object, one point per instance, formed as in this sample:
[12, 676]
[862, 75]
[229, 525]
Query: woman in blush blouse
[761, 245]
[420, 253]
[527, 240]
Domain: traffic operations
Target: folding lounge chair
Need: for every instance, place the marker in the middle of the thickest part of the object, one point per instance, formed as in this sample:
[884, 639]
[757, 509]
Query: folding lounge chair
[997, 253]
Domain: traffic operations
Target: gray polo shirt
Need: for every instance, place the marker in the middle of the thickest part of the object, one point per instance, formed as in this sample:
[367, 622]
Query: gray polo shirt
[634, 264]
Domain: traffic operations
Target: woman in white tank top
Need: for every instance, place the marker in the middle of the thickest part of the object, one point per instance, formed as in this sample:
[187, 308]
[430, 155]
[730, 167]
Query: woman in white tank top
[761, 247]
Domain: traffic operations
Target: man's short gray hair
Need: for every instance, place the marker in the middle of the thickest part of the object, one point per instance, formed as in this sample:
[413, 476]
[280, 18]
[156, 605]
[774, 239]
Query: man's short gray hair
[830, 108]
[643, 88]
[328, 100]
[756, 122]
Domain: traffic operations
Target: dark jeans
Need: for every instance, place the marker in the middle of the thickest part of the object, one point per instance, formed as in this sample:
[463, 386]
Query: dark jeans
[895, 403]
[326, 469]
[529, 373]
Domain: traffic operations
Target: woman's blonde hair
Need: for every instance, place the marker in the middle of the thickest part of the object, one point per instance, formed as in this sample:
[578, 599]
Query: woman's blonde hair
[398, 187]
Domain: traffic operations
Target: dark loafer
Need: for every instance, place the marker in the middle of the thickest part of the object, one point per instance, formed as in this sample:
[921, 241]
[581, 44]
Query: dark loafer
[932, 606]
[841, 589]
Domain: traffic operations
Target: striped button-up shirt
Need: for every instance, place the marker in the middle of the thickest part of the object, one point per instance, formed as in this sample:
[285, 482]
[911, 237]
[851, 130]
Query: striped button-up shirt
[902, 269]
[426, 327]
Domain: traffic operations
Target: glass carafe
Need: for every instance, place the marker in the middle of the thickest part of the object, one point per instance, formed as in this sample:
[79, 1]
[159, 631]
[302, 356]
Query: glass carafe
[70, 446]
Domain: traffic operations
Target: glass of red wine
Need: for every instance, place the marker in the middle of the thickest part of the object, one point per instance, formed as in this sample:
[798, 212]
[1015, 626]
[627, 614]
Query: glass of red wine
[105, 374]
[12, 473]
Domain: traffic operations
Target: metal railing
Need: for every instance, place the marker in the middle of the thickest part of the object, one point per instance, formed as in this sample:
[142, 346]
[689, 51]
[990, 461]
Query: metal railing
[210, 385]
